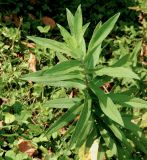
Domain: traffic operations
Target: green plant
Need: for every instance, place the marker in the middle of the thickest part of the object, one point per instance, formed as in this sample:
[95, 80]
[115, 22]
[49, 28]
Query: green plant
[102, 114]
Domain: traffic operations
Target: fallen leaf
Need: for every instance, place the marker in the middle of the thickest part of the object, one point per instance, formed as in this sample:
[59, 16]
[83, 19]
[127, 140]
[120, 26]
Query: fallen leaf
[29, 45]
[48, 21]
[32, 62]
[26, 147]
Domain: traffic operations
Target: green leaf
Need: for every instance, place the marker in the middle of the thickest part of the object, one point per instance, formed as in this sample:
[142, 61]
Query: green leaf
[101, 33]
[78, 52]
[123, 153]
[82, 123]
[9, 118]
[85, 27]
[120, 135]
[74, 83]
[70, 40]
[61, 57]
[137, 142]
[54, 78]
[61, 68]
[122, 61]
[84, 133]
[117, 72]
[110, 109]
[127, 101]
[78, 25]
[119, 97]
[93, 135]
[107, 105]
[99, 81]
[131, 126]
[43, 29]
[66, 118]
[136, 103]
[70, 19]
[61, 103]
[10, 155]
[109, 142]
[52, 44]
[92, 57]
[134, 54]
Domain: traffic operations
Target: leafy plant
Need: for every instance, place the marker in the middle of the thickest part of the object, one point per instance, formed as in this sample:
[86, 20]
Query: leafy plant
[101, 113]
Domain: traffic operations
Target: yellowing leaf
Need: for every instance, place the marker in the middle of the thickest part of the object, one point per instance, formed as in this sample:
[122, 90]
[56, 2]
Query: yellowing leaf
[9, 118]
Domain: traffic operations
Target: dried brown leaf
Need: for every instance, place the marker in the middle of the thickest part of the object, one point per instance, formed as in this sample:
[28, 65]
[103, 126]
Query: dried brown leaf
[29, 45]
[48, 21]
[26, 147]
[32, 62]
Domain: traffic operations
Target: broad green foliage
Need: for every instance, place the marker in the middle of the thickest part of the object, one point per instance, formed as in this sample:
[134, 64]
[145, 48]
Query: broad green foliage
[100, 114]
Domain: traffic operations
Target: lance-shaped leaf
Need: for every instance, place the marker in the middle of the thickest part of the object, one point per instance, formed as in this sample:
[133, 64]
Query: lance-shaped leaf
[109, 141]
[84, 134]
[127, 101]
[92, 57]
[54, 78]
[73, 83]
[134, 54]
[82, 123]
[52, 44]
[70, 40]
[61, 68]
[119, 72]
[120, 135]
[70, 19]
[107, 105]
[136, 103]
[61, 103]
[101, 33]
[137, 142]
[66, 118]
[84, 28]
[78, 25]
[123, 61]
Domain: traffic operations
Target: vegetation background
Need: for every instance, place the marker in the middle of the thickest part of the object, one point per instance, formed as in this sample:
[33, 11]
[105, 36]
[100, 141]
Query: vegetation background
[25, 113]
